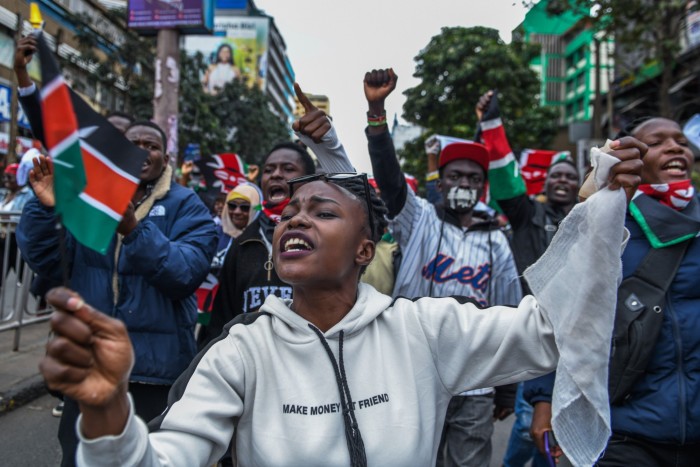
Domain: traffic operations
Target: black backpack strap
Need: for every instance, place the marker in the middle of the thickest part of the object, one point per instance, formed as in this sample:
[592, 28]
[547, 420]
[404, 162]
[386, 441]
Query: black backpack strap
[660, 265]
[639, 316]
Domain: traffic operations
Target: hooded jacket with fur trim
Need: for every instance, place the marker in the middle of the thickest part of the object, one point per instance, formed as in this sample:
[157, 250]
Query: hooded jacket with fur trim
[269, 381]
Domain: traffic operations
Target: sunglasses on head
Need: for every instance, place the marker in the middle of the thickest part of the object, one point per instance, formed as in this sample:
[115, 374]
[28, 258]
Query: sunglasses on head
[242, 207]
[337, 179]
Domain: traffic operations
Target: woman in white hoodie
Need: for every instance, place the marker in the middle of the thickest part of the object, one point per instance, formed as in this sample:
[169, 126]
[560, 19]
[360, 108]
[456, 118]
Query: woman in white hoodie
[341, 376]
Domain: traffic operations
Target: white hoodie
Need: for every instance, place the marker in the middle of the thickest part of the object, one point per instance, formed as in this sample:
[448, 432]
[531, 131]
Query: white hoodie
[273, 383]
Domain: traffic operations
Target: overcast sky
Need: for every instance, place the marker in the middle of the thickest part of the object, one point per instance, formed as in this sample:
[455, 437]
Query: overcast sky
[331, 43]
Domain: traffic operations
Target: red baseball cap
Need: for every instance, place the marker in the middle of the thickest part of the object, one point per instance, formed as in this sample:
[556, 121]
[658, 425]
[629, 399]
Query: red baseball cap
[475, 152]
[12, 169]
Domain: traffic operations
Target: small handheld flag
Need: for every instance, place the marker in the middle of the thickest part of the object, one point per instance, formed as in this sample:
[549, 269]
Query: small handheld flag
[96, 168]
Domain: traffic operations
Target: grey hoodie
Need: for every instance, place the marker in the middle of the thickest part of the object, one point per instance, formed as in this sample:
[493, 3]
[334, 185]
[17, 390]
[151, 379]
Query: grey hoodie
[272, 382]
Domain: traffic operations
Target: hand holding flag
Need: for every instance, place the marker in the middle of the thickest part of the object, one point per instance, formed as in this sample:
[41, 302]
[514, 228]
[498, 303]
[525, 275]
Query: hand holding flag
[505, 181]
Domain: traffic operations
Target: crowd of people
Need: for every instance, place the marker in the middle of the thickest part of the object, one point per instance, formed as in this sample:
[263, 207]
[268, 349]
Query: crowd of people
[354, 321]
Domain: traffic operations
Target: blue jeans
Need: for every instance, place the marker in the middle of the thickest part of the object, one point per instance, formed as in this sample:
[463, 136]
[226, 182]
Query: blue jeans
[521, 449]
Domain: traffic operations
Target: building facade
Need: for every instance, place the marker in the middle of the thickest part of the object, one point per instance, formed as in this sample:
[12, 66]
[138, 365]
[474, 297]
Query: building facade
[575, 63]
[60, 34]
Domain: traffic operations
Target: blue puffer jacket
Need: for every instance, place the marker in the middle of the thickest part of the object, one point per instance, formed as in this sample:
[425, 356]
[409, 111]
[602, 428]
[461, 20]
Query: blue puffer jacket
[161, 264]
[665, 403]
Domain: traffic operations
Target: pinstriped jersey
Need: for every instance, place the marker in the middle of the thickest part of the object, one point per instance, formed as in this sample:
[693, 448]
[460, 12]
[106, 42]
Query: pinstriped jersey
[473, 263]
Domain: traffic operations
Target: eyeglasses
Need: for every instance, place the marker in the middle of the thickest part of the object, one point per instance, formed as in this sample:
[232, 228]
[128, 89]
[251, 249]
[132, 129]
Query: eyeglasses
[338, 179]
[242, 207]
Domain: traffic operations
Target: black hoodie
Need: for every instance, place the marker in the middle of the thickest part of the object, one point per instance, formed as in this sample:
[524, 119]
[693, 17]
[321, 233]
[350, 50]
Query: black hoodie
[244, 282]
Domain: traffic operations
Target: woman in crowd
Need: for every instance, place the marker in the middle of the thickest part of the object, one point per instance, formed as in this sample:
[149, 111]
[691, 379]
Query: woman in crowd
[340, 375]
[238, 212]
[222, 71]
[16, 195]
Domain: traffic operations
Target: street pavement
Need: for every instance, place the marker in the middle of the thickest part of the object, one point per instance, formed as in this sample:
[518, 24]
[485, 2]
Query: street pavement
[28, 435]
[20, 381]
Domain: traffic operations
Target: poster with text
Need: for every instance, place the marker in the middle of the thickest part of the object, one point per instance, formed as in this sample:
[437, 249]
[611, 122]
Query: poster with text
[164, 13]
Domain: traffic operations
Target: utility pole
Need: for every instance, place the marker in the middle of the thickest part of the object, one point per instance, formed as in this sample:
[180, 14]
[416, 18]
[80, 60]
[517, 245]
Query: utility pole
[167, 88]
[11, 155]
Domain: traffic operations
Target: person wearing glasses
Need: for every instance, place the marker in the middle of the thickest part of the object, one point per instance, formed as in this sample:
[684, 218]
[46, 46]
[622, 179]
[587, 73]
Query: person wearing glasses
[237, 213]
[339, 375]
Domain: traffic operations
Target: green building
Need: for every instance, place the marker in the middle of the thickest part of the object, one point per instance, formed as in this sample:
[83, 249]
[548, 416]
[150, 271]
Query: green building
[567, 62]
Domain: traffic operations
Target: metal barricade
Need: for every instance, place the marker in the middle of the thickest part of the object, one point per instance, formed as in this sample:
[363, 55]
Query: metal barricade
[18, 307]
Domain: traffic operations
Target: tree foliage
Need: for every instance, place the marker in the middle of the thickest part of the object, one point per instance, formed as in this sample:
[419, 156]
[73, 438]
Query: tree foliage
[238, 119]
[456, 68]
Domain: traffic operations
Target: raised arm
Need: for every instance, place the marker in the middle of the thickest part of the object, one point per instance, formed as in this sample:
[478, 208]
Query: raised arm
[506, 185]
[89, 359]
[37, 236]
[378, 84]
[28, 92]
[315, 129]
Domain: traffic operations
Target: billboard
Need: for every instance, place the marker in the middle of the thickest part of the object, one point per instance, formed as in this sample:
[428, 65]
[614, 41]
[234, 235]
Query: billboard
[231, 4]
[187, 15]
[5, 104]
[237, 50]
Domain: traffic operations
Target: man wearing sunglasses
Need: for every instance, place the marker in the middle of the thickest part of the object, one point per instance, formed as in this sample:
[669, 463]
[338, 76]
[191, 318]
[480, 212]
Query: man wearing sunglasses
[447, 250]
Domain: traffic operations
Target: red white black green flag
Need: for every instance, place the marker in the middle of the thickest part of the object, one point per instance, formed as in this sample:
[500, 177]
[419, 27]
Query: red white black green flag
[96, 167]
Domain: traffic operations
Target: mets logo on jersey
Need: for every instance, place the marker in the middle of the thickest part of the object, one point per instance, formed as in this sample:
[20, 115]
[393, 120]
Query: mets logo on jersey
[441, 269]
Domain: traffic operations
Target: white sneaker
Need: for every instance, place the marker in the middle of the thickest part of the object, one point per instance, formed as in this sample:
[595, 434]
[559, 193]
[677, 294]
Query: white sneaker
[58, 410]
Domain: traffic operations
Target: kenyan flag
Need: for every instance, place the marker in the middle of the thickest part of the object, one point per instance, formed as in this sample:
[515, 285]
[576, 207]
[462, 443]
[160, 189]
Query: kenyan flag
[534, 164]
[96, 167]
[505, 181]
[61, 133]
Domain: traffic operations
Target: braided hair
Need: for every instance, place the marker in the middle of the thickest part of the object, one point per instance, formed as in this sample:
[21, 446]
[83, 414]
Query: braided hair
[379, 210]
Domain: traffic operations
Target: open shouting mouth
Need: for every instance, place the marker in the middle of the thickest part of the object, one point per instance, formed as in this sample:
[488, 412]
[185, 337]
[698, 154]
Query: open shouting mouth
[295, 244]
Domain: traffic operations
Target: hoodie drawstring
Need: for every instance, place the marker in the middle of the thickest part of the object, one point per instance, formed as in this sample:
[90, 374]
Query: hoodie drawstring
[356, 446]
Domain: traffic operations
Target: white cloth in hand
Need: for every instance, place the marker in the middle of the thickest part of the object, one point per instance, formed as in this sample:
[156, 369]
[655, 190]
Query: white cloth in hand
[576, 282]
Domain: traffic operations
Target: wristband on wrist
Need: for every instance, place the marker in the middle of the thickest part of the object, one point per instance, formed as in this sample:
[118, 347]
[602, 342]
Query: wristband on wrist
[376, 120]
[429, 177]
